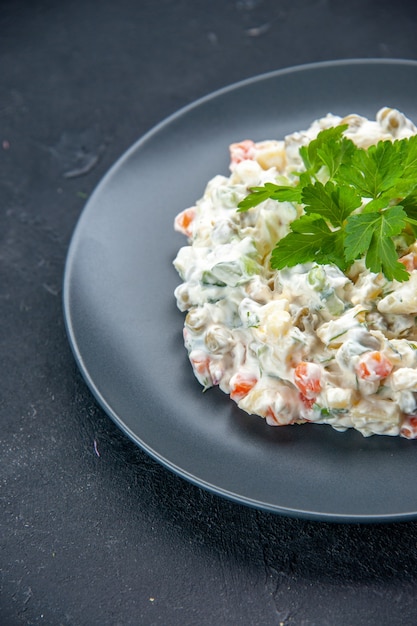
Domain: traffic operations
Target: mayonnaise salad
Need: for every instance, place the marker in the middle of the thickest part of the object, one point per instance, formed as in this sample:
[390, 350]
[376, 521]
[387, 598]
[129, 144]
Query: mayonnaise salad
[308, 343]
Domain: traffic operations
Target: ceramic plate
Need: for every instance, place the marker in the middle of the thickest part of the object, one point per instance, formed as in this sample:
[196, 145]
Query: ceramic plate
[126, 332]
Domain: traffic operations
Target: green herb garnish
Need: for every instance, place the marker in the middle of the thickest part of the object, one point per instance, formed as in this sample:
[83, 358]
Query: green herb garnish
[355, 202]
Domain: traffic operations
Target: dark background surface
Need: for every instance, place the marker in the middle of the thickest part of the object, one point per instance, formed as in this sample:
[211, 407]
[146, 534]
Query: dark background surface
[92, 530]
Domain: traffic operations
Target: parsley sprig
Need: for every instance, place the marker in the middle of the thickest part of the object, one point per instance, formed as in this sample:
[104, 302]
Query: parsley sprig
[356, 202]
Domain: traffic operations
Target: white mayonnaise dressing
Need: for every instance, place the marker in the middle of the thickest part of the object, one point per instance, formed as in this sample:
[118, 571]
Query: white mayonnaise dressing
[304, 344]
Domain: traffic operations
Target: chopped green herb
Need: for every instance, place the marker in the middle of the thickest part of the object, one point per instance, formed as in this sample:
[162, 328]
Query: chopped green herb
[369, 198]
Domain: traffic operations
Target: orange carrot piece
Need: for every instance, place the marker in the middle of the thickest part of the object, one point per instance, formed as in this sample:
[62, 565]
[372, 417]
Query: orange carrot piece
[184, 220]
[373, 366]
[240, 385]
[307, 378]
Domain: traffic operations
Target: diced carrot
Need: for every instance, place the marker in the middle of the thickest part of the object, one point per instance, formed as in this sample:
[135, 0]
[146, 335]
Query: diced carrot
[241, 384]
[374, 366]
[409, 261]
[242, 151]
[307, 378]
[307, 402]
[184, 220]
[200, 362]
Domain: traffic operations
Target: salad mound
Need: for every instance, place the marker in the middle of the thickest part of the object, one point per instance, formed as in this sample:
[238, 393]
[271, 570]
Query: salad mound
[299, 279]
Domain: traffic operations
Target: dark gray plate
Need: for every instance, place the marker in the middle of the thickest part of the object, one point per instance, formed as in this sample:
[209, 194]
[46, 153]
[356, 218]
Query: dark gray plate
[126, 332]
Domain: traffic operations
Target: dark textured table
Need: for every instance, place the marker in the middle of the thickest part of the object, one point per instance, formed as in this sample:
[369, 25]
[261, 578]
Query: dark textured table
[93, 531]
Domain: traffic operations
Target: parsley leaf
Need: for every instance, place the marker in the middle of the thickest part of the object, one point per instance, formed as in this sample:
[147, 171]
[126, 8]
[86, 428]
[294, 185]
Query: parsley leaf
[382, 257]
[373, 232]
[409, 204]
[361, 228]
[375, 170]
[332, 202]
[310, 239]
[334, 154]
[327, 149]
[281, 193]
[409, 147]
[369, 199]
